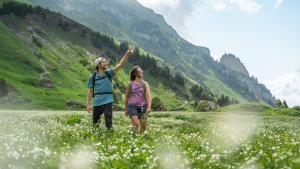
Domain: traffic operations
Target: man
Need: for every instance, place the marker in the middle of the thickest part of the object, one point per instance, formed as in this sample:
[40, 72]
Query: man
[100, 88]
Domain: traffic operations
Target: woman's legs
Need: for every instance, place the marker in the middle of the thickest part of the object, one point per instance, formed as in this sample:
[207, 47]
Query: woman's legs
[143, 123]
[138, 119]
[135, 123]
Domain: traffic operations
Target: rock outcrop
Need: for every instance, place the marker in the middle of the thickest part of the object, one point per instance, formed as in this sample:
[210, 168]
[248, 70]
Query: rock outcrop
[74, 104]
[233, 63]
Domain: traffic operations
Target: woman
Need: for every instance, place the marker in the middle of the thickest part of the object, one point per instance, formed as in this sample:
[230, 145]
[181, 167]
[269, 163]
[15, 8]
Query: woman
[138, 100]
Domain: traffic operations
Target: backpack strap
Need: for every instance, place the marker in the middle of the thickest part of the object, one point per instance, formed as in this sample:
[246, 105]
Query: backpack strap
[110, 78]
[94, 82]
[144, 87]
[108, 75]
[129, 87]
[102, 93]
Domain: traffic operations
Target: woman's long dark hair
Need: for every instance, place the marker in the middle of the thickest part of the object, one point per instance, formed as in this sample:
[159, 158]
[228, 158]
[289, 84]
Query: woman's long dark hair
[133, 73]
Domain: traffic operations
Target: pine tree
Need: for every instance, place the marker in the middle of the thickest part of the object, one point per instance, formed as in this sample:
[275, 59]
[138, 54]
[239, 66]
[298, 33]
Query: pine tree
[284, 104]
[123, 47]
[278, 103]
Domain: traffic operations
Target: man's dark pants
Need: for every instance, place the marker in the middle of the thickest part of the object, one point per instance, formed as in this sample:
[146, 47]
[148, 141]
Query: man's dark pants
[105, 109]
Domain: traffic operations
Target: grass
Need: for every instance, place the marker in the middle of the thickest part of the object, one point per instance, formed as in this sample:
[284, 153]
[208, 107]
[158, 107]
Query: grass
[227, 139]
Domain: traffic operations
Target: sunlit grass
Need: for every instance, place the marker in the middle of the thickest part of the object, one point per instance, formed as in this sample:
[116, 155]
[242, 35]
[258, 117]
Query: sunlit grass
[46, 139]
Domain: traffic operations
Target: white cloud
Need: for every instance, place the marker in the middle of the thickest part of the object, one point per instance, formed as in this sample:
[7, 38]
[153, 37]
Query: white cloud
[278, 3]
[249, 6]
[220, 7]
[181, 14]
[154, 4]
[286, 87]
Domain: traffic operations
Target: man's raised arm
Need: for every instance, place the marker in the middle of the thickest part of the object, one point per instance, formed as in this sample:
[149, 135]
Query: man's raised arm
[124, 59]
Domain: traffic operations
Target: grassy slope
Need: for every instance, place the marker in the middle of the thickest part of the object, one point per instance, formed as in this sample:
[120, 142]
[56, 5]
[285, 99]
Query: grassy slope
[22, 76]
[219, 87]
[13, 55]
[262, 108]
[61, 53]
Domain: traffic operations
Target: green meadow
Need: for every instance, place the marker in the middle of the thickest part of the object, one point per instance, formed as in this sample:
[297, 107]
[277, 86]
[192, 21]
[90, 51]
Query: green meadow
[240, 136]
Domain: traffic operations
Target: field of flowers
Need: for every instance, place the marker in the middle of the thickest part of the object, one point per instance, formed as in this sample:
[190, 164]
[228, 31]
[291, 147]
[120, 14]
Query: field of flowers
[66, 140]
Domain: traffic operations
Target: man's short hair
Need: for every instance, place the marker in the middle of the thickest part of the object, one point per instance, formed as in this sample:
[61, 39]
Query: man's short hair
[99, 60]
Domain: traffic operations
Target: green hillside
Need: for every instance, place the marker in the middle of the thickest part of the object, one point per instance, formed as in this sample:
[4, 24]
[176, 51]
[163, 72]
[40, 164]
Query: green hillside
[45, 64]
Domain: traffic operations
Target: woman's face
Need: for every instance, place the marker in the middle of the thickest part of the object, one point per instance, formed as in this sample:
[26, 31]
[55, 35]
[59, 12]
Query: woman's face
[139, 72]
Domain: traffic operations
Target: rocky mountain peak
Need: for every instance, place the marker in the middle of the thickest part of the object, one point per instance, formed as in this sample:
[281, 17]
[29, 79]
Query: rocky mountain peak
[232, 62]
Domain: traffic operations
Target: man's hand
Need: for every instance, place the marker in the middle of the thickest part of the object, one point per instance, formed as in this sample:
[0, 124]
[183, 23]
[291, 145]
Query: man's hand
[88, 108]
[130, 50]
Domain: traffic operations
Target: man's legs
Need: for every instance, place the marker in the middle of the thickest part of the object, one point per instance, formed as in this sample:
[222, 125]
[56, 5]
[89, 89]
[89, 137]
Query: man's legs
[108, 115]
[97, 112]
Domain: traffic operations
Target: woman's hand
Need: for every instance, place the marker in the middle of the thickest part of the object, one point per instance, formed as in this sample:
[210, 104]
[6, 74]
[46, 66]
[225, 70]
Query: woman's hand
[148, 110]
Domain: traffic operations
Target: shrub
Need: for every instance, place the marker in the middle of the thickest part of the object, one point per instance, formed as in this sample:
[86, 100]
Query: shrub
[3, 88]
[74, 119]
[157, 104]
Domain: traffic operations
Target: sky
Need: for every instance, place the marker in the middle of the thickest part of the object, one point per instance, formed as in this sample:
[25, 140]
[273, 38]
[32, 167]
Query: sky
[264, 34]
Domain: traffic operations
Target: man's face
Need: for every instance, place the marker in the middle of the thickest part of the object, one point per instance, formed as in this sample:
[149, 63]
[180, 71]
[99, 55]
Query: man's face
[103, 64]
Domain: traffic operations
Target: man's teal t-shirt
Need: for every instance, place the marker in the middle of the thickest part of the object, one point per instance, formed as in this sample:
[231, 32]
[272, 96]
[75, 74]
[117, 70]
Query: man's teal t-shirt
[102, 85]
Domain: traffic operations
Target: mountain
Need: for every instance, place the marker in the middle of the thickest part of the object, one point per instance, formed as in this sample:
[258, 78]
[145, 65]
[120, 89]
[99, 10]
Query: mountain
[46, 58]
[233, 63]
[127, 19]
[232, 71]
